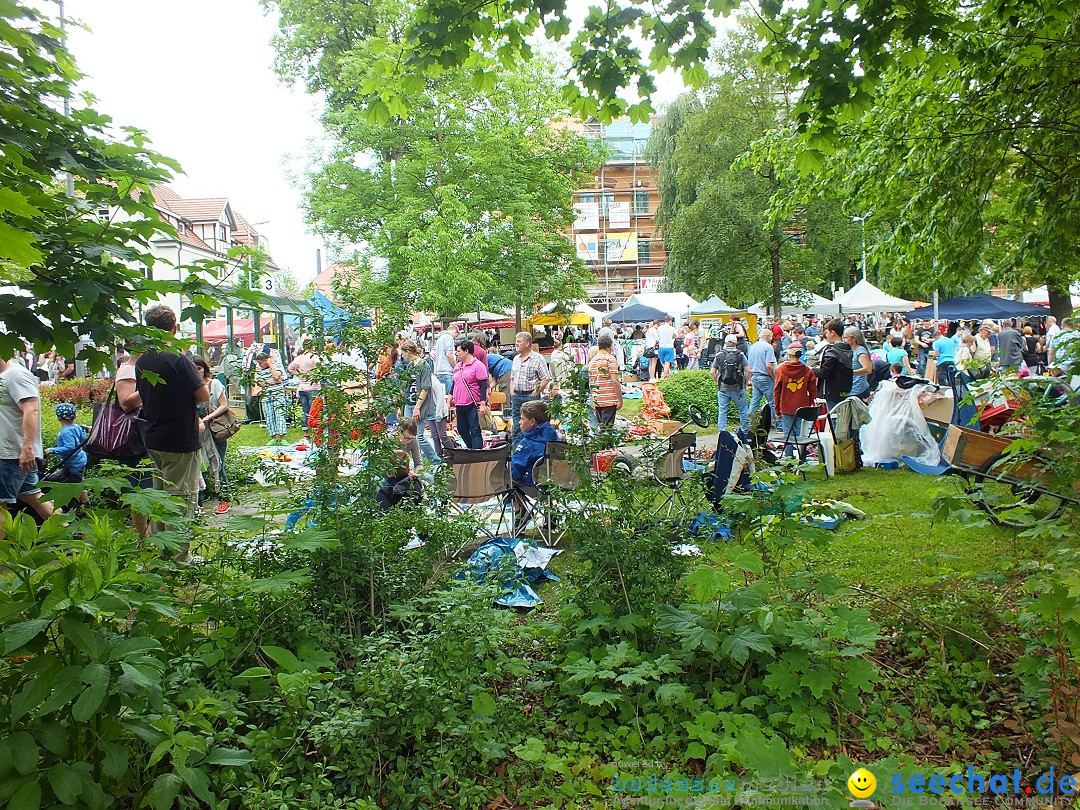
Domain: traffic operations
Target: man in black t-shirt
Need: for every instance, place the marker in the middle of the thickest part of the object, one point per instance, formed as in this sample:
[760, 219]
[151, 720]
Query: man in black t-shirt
[171, 387]
[925, 335]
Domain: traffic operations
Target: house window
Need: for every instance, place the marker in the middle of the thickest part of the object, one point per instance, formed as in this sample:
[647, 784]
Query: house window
[606, 201]
[641, 202]
[223, 233]
[587, 198]
[601, 251]
[644, 251]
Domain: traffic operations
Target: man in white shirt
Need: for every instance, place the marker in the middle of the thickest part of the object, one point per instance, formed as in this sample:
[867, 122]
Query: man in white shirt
[652, 341]
[665, 345]
[1052, 329]
[445, 356]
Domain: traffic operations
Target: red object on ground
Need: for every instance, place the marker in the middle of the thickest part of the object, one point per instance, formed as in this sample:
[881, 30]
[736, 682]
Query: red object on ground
[602, 461]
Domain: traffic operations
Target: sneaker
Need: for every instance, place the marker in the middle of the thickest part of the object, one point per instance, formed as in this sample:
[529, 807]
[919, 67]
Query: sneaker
[222, 508]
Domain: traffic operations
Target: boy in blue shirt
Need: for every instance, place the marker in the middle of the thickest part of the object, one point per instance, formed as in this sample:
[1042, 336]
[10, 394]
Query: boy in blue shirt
[67, 440]
[536, 432]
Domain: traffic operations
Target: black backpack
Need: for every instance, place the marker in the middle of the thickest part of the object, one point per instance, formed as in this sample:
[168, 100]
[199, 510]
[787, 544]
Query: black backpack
[882, 371]
[731, 370]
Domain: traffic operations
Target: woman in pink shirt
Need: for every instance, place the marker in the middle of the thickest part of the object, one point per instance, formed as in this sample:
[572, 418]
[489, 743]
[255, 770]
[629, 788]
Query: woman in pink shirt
[470, 395]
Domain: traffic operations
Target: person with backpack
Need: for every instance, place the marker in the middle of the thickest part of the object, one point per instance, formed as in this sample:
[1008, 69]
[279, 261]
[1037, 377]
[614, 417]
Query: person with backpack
[730, 369]
[834, 369]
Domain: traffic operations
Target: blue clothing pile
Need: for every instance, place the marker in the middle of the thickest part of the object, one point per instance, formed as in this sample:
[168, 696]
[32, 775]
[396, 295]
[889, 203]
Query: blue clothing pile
[516, 565]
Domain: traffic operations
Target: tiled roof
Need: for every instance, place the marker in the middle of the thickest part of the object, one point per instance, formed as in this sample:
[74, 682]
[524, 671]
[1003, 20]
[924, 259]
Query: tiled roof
[208, 209]
[243, 231]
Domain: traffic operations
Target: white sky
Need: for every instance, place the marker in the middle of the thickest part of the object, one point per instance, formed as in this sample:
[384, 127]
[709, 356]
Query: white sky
[197, 77]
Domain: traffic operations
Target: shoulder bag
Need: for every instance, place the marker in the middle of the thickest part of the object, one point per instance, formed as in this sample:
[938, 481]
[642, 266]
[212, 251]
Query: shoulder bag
[115, 434]
[223, 425]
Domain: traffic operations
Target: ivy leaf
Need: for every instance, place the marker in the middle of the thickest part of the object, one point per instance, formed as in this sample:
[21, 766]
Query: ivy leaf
[745, 560]
[708, 583]
[671, 692]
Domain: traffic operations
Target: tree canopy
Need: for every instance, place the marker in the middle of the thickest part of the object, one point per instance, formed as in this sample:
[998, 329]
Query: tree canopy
[465, 192]
[71, 266]
[737, 220]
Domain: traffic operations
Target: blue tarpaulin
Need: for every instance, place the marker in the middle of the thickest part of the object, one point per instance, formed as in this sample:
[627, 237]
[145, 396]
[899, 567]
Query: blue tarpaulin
[517, 563]
[333, 315]
[979, 306]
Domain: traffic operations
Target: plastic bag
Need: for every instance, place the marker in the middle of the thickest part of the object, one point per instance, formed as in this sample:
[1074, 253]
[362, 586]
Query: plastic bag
[898, 427]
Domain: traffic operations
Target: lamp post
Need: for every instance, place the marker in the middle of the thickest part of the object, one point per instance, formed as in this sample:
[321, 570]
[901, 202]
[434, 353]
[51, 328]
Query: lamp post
[862, 221]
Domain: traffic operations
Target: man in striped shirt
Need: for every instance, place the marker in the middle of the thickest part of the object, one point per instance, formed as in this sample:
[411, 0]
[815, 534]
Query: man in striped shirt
[604, 382]
[529, 376]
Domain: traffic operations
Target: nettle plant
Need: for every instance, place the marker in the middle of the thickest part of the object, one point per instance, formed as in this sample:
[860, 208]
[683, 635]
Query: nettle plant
[90, 621]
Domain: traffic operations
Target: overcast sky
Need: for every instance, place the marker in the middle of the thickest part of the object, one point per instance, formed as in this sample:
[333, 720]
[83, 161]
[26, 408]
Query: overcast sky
[198, 77]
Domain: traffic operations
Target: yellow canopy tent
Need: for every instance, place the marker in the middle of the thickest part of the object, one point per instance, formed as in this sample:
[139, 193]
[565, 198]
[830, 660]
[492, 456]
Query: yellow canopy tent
[557, 319]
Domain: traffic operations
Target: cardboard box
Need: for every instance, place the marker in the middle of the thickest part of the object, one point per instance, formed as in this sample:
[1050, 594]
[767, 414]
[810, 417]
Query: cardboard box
[664, 427]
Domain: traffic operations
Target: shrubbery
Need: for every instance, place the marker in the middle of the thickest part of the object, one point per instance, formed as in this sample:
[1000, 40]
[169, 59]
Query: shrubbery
[685, 388]
[82, 392]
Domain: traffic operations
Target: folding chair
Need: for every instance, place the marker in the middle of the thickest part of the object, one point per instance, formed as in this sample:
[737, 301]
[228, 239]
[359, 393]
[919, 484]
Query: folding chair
[481, 477]
[796, 437]
[669, 473]
[551, 473]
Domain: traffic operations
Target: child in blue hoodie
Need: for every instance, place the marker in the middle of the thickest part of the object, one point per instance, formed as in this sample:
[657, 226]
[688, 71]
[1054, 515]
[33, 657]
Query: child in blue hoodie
[69, 438]
[536, 432]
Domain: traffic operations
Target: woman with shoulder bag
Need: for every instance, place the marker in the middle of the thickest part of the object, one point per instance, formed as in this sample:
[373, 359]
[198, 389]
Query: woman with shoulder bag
[470, 395]
[127, 396]
[214, 446]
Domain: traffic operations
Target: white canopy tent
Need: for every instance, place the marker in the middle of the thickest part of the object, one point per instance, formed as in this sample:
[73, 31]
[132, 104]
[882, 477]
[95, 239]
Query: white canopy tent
[1040, 297]
[676, 304]
[865, 298]
[791, 306]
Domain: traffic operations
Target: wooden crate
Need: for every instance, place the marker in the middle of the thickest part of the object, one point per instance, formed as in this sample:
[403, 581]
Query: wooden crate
[969, 448]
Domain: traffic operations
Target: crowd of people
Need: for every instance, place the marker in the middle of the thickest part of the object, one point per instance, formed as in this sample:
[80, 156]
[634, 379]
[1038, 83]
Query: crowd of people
[456, 381]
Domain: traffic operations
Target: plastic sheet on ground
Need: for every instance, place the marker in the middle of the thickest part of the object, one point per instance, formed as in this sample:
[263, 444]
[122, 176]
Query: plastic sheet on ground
[518, 564]
[898, 427]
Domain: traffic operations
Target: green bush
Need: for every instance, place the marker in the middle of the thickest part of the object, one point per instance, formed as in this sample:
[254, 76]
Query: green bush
[82, 392]
[684, 388]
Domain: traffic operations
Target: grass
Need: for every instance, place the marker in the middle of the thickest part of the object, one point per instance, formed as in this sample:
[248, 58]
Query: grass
[898, 544]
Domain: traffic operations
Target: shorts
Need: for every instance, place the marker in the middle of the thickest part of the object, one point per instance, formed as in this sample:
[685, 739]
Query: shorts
[15, 482]
[665, 355]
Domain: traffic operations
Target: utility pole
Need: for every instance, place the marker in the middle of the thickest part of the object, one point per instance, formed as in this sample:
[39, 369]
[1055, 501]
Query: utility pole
[862, 221]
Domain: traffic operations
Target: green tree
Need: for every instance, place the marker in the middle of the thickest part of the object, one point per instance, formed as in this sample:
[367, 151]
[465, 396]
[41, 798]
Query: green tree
[466, 191]
[70, 266]
[969, 152]
[735, 216]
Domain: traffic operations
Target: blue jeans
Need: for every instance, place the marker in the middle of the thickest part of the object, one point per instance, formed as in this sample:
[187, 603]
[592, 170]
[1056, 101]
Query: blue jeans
[787, 421]
[516, 401]
[223, 478]
[738, 396]
[762, 385]
[447, 380]
[14, 481]
[306, 398]
[427, 447]
[468, 426]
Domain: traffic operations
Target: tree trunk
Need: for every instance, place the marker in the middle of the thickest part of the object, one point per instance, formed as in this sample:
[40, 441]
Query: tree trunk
[774, 257]
[1060, 299]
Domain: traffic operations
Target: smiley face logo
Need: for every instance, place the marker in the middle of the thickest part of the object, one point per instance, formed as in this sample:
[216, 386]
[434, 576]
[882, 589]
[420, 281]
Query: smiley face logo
[861, 783]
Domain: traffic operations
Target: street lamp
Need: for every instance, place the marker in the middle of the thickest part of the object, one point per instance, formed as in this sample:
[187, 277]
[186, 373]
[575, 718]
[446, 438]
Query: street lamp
[862, 220]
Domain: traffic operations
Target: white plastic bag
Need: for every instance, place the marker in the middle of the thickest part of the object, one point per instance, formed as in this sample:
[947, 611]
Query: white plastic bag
[898, 427]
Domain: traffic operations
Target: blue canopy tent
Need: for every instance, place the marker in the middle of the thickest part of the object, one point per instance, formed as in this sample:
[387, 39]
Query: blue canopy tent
[979, 306]
[334, 317]
[636, 313]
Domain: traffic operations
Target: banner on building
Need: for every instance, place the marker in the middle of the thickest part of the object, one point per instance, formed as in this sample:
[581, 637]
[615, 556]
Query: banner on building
[588, 216]
[650, 284]
[618, 215]
[621, 247]
[587, 247]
